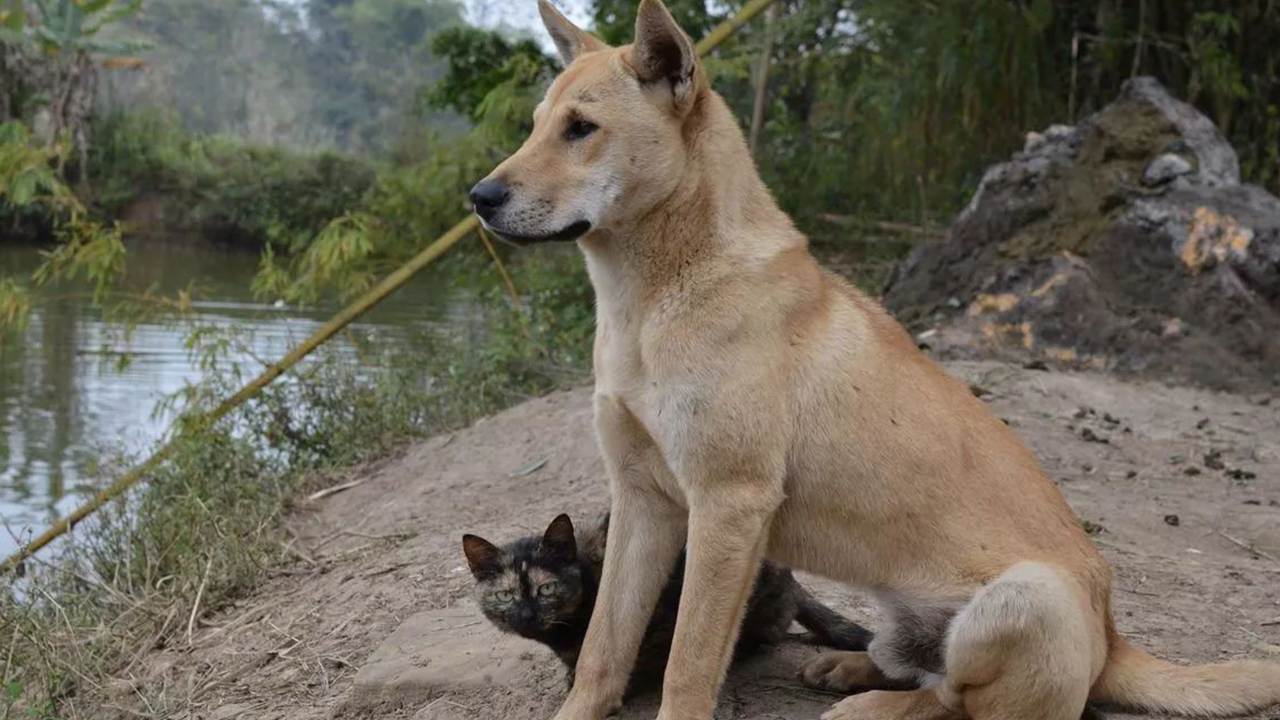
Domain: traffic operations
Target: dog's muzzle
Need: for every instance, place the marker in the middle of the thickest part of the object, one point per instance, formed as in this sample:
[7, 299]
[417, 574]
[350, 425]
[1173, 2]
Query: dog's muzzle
[489, 196]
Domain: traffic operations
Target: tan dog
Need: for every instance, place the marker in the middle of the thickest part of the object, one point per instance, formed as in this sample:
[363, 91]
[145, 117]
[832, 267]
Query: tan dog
[752, 404]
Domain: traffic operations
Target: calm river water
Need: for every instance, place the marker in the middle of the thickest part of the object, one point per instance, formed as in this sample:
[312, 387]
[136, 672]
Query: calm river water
[62, 398]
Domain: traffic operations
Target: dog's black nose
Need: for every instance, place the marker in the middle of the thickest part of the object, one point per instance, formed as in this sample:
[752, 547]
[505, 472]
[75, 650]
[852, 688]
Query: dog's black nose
[487, 196]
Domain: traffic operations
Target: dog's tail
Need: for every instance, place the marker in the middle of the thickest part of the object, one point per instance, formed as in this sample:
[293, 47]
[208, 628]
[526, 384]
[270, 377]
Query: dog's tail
[829, 627]
[1134, 680]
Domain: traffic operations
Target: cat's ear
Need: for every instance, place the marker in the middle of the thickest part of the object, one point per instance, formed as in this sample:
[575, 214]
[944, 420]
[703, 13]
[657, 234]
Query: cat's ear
[558, 540]
[483, 556]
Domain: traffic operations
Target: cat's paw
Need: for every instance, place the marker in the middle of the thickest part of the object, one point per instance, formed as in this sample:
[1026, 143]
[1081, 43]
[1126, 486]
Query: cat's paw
[840, 672]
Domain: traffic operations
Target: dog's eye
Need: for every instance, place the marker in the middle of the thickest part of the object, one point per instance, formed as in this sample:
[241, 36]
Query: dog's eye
[578, 129]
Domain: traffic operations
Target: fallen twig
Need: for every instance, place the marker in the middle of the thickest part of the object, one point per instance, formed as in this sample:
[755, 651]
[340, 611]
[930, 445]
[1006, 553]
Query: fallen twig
[1246, 546]
[195, 608]
[321, 494]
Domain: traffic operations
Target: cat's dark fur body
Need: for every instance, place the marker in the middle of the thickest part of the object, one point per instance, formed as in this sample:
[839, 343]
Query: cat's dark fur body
[544, 588]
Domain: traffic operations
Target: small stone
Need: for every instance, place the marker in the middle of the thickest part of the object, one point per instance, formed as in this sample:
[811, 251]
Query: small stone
[1252, 502]
[1213, 460]
[1192, 470]
[1204, 422]
[1093, 528]
[1172, 520]
[1089, 435]
[1058, 131]
[1131, 474]
[1035, 365]
[1239, 474]
[1165, 169]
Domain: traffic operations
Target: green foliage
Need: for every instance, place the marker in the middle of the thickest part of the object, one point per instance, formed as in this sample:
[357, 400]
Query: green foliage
[65, 27]
[27, 175]
[225, 188]
[478, 63]
[615, 20]
[31, 188]
[411, 204]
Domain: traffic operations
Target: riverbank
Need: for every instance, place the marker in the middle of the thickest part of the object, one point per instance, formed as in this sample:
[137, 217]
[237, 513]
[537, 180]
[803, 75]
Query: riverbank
[1180, 488]
[76, 381]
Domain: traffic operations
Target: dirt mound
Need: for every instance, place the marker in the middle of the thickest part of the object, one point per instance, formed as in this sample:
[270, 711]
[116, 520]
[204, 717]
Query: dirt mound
[1126, 243]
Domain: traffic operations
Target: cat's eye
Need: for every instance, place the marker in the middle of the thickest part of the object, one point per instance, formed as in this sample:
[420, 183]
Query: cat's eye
[504, 596]
[547, 589]
[579, 128]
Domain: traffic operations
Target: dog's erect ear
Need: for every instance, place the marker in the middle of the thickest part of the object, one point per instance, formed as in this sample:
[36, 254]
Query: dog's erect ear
[483, 556]
[662, 53]
[570, 40]
[558, 540]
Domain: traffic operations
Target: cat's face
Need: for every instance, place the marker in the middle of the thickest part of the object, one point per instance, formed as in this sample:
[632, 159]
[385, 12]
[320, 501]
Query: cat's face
[532, 586]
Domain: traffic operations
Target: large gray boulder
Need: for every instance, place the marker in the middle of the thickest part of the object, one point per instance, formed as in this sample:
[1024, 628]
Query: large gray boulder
[1125, 243]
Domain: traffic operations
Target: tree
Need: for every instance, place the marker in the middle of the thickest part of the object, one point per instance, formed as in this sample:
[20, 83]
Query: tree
[66, 36]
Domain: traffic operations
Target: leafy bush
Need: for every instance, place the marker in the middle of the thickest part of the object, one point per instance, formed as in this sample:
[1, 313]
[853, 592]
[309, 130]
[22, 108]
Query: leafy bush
[224, 188]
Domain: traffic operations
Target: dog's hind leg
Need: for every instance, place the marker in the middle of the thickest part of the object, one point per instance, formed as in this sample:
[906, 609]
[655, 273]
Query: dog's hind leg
[646, 534]
[1024, 648]
[1028, 646]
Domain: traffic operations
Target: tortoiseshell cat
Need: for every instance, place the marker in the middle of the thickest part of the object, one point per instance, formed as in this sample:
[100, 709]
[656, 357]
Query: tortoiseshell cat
[543, 588]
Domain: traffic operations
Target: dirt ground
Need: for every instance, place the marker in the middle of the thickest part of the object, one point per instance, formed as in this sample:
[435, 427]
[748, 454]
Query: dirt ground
[1181, 488]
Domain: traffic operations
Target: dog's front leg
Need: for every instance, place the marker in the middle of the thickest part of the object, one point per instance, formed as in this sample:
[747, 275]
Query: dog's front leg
[646, 533]
[728, 531]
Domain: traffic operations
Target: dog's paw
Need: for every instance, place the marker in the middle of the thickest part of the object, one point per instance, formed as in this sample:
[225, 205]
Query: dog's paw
[867, 706]
[840, 672]
[891, 705]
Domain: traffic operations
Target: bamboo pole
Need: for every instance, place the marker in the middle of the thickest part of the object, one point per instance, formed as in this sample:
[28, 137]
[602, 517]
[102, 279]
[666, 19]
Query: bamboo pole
[726, 29]
[762, 80]
[361, 305]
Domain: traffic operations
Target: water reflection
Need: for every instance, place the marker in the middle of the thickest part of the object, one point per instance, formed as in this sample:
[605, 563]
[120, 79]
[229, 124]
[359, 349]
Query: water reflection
[63, 400]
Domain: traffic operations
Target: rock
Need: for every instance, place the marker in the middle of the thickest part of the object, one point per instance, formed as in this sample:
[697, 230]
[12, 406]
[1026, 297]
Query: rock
[1124, 243]
[1164, 169]
[1213, 460]
[455, 649]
